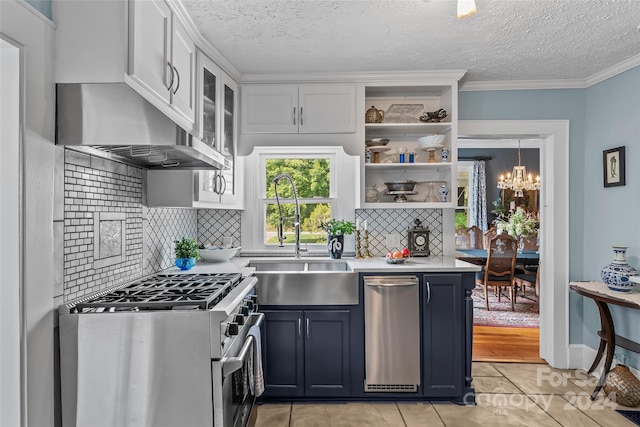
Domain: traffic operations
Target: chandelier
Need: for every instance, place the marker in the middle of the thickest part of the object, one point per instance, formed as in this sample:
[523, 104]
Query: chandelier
[518, 180]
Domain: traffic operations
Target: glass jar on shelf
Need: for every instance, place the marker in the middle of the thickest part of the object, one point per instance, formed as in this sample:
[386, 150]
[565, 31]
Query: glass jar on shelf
[372, 195]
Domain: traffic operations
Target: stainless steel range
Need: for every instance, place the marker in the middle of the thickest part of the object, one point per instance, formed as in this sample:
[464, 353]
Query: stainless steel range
[165, 350]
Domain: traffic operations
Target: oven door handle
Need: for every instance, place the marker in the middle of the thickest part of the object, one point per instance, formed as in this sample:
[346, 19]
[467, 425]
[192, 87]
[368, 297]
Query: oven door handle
[232, 364]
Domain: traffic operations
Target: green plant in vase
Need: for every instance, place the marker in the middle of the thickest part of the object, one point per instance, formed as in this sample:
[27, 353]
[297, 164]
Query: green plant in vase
[336, 229]
[519, 224]
[187, 252]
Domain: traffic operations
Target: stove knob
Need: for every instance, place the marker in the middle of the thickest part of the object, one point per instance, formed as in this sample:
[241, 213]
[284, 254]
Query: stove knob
[239, 319]
[244, 310]
[232, 329]
[253, 298]
[250, 305]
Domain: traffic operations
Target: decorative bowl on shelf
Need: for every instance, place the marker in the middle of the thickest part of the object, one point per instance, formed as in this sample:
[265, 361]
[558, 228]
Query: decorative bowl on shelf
[395, 260]
[218, 254]
[376, 142]
[435, 116]
[434, 140]
[401, 185]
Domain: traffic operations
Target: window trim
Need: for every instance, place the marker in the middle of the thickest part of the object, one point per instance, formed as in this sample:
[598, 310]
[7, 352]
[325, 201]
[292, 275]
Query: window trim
[263, 200]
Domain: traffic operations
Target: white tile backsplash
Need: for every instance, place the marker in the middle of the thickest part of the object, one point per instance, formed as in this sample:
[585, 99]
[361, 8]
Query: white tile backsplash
[95, 186]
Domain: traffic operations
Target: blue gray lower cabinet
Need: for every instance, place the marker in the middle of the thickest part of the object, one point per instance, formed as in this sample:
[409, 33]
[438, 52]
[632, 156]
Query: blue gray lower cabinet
[314, 352]
[306, 353]
[447, 337]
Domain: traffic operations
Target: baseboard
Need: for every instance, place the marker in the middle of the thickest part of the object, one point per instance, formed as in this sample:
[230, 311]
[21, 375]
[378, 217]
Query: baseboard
[581, 357]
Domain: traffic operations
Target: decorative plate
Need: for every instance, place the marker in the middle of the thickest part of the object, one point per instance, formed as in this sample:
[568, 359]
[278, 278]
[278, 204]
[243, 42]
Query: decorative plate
[403, 113]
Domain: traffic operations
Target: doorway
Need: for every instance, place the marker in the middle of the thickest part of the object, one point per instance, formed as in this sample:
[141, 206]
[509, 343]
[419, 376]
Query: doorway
[11, 248]
[502, 332]
[554, 167]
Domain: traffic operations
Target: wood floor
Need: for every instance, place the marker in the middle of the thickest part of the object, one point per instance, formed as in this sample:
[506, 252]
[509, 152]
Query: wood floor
[502, 344]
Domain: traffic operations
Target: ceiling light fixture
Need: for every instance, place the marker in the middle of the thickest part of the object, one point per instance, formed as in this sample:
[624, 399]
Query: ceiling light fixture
[518, 180]
[466, 8]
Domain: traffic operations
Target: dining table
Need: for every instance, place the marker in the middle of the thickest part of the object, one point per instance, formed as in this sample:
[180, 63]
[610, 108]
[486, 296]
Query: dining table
[479, 256]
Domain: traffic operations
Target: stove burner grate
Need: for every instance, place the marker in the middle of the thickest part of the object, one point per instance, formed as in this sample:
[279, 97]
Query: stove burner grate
[163, 292]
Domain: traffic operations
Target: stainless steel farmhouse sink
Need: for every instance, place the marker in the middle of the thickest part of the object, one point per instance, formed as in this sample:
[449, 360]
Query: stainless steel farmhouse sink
[305, 282]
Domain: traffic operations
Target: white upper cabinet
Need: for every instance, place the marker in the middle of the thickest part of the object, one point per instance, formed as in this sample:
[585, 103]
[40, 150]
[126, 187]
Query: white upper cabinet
[149, 47]
[312, 108]
[183, 56]
[327, 108]
[216, 125]
[162, 55]
[138, 42]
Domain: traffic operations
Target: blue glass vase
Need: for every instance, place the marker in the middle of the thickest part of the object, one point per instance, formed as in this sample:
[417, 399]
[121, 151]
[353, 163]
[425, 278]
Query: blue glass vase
[185, 263]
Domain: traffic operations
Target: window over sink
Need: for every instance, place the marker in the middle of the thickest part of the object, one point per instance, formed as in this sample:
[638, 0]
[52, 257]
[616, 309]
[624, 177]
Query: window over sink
[326, 180]
[312, 177]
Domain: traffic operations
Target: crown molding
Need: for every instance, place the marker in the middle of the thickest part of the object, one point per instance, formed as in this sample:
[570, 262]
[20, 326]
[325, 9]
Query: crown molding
[444, 76]
[619, 68]
[523, 85]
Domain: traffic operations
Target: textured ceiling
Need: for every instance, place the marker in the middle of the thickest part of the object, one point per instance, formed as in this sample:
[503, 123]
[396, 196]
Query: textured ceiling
[505, 40]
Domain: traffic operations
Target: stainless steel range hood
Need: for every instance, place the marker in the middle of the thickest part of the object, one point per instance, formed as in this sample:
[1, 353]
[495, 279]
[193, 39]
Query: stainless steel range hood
[114, 121]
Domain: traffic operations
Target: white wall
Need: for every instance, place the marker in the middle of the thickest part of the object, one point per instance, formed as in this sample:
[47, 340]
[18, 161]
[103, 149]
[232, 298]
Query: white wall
[19, 22]
[9, 234]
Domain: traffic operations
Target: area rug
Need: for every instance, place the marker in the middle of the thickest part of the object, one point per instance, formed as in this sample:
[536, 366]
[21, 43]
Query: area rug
[633, 416]
[526, 314]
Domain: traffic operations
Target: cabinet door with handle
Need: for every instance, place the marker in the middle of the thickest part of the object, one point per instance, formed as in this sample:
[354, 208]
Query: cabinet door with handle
[269, 108]
[327, 108]
[150, 47]
[326, 348]
[183, 54]
[283, 353]
[443, 335]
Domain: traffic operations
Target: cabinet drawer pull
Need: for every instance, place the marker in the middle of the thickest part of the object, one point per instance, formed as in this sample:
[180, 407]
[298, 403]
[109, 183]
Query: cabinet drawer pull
[294, 116]
[178, 84]
[428, 292]
[307, 328]
[171, 68]
[301, 117]
[299, 328]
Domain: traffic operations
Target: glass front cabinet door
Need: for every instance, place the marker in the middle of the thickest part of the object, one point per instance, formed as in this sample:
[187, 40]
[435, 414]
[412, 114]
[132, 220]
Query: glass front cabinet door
[217, 126]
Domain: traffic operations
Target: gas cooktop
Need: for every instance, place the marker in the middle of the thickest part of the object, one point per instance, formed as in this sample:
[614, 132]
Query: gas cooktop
[162, 292]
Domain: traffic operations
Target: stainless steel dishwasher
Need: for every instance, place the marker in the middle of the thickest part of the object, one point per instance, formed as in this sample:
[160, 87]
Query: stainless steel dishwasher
[392, 334]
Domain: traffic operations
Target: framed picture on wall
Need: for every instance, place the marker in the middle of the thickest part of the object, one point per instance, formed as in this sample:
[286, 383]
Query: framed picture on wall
[613, 167]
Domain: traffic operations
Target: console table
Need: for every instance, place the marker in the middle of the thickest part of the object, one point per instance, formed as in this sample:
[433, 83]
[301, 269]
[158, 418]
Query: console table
[602, 296]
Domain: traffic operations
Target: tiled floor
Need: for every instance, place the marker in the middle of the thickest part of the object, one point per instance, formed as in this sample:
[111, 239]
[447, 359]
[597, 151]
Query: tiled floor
[507, 394]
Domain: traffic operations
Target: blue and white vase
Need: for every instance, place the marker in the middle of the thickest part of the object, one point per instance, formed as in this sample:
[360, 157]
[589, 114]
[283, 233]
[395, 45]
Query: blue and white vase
[616, 275]
[445, 154]
[444, 191]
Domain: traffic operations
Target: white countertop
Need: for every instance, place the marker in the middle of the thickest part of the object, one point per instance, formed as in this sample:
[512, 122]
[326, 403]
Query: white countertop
[435, 264]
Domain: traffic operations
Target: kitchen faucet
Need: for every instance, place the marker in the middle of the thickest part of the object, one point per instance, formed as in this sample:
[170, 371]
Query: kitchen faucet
[296, 218]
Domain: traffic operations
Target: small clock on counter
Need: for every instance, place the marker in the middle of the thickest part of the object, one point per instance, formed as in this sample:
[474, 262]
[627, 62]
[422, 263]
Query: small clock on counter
[419, 239]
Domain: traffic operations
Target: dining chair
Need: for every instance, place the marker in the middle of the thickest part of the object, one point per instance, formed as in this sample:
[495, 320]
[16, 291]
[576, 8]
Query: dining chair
[531, 278]
[462, 238]
[490, 234]
[475, 237]
[499, 269]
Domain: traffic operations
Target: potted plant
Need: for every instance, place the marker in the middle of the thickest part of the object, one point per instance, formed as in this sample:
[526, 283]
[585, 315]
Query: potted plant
[186, 253]
[336, 229]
